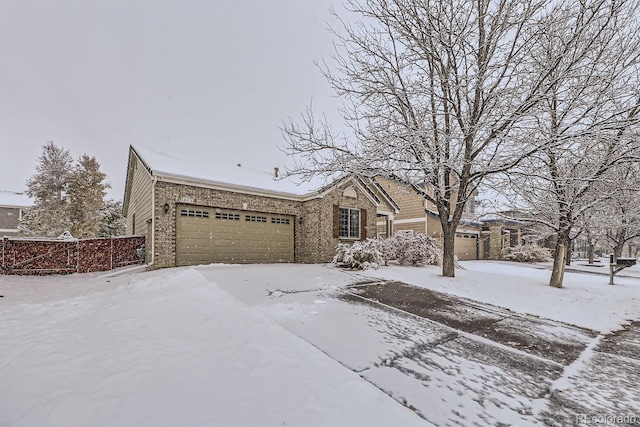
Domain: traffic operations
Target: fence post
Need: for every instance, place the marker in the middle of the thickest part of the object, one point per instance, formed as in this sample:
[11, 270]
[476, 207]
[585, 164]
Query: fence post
[111, 259]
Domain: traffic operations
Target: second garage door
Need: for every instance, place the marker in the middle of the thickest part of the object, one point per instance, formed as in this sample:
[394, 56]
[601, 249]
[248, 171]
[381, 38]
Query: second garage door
[208, 235]
[466, 246]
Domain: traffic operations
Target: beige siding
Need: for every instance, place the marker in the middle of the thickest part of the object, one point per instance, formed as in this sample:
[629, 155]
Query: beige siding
[418, 226]
[434, 228]
[411, 204]
[140, 197]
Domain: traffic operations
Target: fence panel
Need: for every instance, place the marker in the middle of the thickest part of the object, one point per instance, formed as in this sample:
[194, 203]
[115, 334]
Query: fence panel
[21, 256]
[94, 255]
[128, 250]
[39, 256]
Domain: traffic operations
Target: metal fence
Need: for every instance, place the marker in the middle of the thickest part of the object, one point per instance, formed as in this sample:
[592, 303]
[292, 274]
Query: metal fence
[42, 256]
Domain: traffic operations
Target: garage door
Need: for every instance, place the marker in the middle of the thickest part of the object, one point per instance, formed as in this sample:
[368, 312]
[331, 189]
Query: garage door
[206, 235]
[465, 246]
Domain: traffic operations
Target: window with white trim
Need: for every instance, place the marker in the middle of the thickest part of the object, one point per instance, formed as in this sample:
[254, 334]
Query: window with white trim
[349, 223]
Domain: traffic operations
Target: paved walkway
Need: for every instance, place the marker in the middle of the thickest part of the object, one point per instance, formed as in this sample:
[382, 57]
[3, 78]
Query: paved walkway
[521, 370]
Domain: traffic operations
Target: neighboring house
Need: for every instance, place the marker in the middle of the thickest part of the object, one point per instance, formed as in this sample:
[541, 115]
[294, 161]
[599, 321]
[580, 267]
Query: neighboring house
[485, 238]
[418, 215]
[500, 233]
[12, 206]
[197, 212]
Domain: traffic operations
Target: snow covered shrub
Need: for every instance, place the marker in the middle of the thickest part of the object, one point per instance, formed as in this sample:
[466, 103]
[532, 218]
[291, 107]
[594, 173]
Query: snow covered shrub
[416, 249]
[361, 254]
[527, 253]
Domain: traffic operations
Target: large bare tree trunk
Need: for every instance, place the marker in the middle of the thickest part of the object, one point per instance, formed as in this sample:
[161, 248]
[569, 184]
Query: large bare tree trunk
[557, 274]
[448, 256]
[590, 251]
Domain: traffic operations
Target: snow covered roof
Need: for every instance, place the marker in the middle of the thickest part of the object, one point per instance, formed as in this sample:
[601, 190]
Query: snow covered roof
[13, 199]
[500, 217]
[249, 172]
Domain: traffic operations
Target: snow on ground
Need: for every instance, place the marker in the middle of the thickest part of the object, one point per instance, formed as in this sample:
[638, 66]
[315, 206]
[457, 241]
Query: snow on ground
[166, 348]
[585, 300]
[277, 345]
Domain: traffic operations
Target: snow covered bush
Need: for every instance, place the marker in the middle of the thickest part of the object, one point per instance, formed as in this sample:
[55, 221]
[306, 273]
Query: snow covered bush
[416, 249]
[407, 249]
[527, 253]
[361, 254]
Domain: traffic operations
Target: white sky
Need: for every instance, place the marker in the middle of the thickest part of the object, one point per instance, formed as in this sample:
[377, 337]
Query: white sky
[195, 78]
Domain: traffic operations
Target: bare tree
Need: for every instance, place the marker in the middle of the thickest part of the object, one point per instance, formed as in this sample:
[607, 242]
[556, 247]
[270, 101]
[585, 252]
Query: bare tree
[620, 216]
[587, 125]
[440, 93]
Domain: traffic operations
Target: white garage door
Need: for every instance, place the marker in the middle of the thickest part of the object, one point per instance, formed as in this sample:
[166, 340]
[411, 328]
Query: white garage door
[208, 235]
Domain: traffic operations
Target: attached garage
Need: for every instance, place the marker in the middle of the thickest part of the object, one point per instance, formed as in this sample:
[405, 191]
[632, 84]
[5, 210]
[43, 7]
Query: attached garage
[466, 246]
[211, 235]
[202, 219]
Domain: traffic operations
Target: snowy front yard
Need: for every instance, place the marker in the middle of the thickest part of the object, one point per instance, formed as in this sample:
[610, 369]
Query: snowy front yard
[271, 345]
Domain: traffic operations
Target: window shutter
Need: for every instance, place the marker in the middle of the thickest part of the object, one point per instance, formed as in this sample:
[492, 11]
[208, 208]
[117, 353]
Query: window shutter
[363, 224]
[336, 221]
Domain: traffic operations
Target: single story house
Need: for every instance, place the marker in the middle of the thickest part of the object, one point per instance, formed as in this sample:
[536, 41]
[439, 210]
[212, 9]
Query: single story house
[12, 207]
[195, 212]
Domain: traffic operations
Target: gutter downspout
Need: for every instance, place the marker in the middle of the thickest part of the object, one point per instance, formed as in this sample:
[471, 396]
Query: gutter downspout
[153, 221]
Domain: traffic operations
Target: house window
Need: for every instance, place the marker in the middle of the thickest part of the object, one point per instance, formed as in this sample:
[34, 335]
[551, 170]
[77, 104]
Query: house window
[349, 223]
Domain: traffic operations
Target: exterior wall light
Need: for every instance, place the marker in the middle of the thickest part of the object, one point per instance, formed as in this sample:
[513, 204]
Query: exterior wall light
[165, 208]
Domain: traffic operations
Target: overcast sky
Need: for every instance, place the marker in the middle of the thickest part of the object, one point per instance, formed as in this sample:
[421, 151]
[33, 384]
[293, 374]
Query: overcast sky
[191, 78]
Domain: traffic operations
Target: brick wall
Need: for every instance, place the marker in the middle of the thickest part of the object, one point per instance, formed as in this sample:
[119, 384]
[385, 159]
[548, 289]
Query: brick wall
[39, 257]
[174, 194]
[323, 213]
[313, 230]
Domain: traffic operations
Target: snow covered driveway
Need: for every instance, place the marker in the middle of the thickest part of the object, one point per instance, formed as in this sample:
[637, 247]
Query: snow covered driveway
[167, 348]
[274, 345]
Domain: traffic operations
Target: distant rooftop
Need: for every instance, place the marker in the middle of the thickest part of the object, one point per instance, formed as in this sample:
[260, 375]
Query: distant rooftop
[247, 172]
[12, 198]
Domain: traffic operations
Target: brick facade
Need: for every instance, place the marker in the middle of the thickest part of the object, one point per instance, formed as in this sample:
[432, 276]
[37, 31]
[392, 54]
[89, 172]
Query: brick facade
[313, 227]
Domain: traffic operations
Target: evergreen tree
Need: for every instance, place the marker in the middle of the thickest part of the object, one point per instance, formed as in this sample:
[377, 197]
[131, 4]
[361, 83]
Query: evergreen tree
[112, 222]
[48, 187]
[67, 197]
[86, 192]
